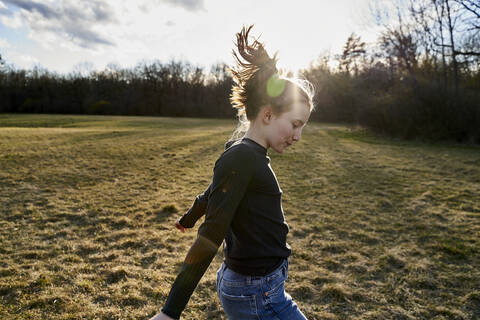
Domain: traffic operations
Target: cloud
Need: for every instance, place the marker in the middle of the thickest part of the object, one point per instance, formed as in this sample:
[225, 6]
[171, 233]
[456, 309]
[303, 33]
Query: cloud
[27, 59]
[4, 44]
[189, 5]
[69, 20]
[32, 6]
[11, 21]
[86, 38]
[4, 9]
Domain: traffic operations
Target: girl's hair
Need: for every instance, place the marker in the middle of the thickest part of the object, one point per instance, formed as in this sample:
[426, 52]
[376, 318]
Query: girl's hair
[257, 83]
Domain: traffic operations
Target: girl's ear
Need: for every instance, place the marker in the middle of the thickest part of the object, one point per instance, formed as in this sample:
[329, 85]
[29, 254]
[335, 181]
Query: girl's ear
[267, 114]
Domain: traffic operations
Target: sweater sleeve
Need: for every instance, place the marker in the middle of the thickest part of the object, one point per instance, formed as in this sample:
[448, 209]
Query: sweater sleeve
[231, 177]
[197, 210]
[199, 206]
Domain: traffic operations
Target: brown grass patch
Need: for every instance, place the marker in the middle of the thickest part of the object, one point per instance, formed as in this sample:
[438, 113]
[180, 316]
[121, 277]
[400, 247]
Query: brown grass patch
[380, 229]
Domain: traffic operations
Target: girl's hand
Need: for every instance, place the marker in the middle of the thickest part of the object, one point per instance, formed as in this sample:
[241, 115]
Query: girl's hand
[161, 316]
[179, 226]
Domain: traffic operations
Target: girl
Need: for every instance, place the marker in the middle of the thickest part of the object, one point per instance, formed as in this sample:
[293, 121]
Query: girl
[243, 203]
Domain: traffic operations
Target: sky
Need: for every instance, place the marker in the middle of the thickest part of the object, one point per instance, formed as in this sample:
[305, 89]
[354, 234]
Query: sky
[75, 35]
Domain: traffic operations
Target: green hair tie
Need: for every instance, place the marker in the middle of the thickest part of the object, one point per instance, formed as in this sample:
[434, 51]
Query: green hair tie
[275, 86]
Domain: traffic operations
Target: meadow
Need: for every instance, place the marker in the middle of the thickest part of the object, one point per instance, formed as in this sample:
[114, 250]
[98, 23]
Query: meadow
[379, 228]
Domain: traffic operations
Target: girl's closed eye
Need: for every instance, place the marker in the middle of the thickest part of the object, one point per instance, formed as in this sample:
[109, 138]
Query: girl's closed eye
[297, 124]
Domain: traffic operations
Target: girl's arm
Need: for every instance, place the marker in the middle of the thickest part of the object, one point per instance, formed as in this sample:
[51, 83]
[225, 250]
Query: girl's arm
[232, 174]
[198, 208]
[196, 211]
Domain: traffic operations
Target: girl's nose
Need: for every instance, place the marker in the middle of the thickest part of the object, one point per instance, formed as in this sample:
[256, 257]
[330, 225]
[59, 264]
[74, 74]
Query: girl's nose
[297, 136]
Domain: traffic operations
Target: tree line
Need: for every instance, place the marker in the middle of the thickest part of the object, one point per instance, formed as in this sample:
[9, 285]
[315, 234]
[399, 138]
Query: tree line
[420, 79]
[176, 89]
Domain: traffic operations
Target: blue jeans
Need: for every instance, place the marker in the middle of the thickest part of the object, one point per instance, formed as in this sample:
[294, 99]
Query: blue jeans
[256, 297]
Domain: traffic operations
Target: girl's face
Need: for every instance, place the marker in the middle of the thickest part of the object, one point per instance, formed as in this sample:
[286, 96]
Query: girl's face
[286, 128]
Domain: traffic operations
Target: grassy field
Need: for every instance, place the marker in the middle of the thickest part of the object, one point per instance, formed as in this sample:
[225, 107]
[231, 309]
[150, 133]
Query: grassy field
[379, 229]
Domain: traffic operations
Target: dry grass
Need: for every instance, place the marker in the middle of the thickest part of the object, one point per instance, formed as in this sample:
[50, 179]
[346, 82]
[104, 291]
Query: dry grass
[379, 229]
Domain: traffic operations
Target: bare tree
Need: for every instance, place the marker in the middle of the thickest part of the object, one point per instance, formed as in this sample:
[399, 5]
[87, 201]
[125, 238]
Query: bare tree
[353, 50]
[453, 29]
[451, 25]
[473, 10]
[402, 48]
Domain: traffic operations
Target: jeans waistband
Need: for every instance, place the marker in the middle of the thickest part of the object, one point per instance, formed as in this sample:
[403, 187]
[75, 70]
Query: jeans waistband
[279, 271]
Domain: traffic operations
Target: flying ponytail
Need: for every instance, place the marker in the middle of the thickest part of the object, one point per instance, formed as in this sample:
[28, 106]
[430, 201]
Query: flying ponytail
[257, 83]
[254, 68]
